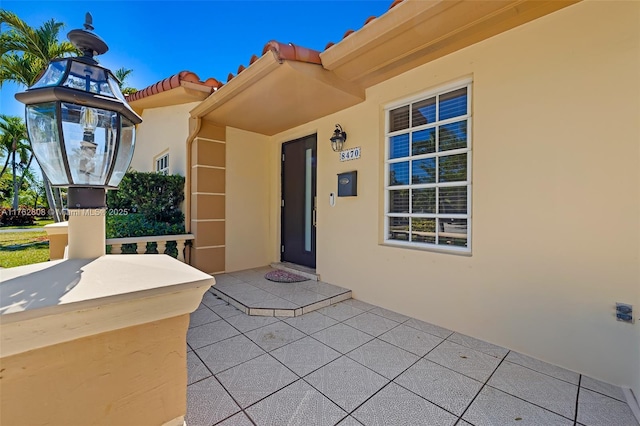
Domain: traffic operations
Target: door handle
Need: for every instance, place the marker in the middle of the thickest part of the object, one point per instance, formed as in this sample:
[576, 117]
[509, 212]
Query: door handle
[315, 210]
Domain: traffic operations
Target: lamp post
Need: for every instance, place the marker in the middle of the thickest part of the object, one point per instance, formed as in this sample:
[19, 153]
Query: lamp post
[82, 133]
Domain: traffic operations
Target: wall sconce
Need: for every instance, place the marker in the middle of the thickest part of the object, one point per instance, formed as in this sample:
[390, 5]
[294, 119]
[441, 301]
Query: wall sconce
[338, 139]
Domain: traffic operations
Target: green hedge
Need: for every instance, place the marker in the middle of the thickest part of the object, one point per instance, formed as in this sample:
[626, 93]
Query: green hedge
[146, 204]
[137, 225]
[153, 195]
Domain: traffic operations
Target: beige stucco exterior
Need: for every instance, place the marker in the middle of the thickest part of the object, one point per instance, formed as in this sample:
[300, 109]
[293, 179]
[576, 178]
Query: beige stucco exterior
[556, 185]
[555, 176]
[136, 375]
[165, 130]
[249, 231]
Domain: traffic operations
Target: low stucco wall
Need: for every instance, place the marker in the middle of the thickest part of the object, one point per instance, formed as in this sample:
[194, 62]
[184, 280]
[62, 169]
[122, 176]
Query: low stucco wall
[58, 234]
[131, 376]
[97, 341]
[556, 184]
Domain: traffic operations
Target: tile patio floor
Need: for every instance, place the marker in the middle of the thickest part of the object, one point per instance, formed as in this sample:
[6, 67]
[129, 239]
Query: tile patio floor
[253, 294]
[357, 364]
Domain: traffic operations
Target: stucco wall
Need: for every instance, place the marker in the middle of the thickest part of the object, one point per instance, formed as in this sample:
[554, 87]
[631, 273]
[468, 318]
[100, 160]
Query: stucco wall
[164, 129]
[556, 195]
[131, 376]
[247, 200]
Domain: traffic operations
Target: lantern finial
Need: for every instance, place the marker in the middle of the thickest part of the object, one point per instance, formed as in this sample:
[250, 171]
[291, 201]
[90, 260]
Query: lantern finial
[89, 43]
[88, 22]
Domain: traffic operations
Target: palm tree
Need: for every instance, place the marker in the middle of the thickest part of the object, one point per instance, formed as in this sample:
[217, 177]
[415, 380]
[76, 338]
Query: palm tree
[13, 129]
[13, 142]
[122, 74]
[25, 53]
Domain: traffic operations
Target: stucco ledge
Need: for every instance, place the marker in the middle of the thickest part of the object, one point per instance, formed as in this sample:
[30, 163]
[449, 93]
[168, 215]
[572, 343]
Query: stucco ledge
[59, 228]
[59, 301]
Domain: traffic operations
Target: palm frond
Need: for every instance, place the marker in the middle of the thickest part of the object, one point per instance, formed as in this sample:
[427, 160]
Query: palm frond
[25, 37]
[23, 69]
[41, 42]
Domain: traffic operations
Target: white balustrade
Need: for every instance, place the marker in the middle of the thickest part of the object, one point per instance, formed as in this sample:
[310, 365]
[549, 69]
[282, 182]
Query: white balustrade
[160, 240]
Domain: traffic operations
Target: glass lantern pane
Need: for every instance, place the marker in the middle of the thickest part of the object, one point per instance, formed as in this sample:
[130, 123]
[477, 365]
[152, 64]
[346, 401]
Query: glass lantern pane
[52, 75]
[90, 137]
[45, 141]
[115, 88]
[89, 79]
[125, 151]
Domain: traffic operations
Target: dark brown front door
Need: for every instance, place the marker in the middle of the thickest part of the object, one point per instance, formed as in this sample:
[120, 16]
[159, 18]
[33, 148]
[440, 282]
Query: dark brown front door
[299, 163]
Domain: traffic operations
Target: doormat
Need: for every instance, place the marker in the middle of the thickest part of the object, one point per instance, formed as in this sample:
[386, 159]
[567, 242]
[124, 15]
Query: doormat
[281, 276]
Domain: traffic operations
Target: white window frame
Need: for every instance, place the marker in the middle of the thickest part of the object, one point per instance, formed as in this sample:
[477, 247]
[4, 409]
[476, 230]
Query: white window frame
[468, 183]
[159, 167]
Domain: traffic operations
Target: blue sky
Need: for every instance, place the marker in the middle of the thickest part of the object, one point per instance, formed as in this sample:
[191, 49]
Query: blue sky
[158, 38]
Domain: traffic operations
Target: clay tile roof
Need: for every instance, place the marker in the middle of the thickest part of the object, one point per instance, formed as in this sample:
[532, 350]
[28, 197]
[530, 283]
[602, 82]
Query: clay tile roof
[212, 82]
[369, 19]
[282, 51]
[171, 83]
[291, 52]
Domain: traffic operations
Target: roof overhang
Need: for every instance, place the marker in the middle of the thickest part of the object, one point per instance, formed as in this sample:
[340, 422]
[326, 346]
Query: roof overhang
[185, 93]
[415, 32]
[274, 94]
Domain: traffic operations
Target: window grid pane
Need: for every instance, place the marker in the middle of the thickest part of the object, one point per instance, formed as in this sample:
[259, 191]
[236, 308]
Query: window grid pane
[423, 112]
[452, 168]
[162, 164]
[399, 119]
[399, 146]
[423, 230]
[399, 173]
[399, 228]
[423, 142]
[428, 158]
[452, 104]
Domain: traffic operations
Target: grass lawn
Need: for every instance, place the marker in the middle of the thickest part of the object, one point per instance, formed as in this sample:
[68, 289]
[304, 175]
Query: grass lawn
[23, 248]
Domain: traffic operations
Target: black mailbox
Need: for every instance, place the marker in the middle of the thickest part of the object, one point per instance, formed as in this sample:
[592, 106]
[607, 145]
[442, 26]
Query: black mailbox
[348, 184]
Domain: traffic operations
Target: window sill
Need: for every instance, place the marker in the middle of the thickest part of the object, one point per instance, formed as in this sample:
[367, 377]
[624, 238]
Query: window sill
[400, 244]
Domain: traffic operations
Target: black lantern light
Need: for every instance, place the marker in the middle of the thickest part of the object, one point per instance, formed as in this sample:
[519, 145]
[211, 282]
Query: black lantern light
[338, 139]
[81, 129]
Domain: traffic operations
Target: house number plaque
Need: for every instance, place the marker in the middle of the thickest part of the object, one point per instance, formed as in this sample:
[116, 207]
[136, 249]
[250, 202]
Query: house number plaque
[350, 154]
